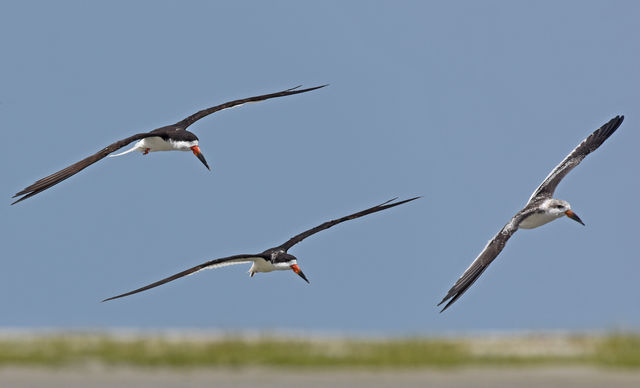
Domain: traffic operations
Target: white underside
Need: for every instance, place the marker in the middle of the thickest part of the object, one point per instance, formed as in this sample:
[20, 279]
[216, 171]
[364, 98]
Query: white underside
[538, 219]
[258, 264]
[261, 265]
[265, 266]
[252, 260]
[154, 144]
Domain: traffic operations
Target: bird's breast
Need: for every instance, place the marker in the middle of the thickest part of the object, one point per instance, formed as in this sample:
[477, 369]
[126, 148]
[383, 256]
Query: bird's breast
[537, 219]
[262, 265]
[156, 143]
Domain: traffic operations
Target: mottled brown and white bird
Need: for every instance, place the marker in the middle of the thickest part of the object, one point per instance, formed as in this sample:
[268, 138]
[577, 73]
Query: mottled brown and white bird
[540, 209]
[173, 137]
[272, 259]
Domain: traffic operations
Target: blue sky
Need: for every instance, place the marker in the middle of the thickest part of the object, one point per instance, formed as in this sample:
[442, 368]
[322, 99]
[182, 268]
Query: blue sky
[468, 104]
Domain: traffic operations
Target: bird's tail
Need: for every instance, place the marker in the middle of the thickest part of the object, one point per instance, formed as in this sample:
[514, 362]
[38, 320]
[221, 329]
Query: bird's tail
[134, 148]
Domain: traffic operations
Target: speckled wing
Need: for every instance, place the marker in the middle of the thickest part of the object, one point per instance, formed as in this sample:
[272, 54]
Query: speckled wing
[588, 145]
[385, 205]
[206, 112]
[75, 168]
[480, 264]
[217, 263]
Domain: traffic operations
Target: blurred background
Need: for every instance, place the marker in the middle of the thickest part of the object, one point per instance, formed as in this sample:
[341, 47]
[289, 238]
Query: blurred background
[468, 104]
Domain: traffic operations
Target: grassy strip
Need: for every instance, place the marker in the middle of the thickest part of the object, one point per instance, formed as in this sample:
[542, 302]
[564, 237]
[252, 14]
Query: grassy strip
[619, 350]
[78, 349]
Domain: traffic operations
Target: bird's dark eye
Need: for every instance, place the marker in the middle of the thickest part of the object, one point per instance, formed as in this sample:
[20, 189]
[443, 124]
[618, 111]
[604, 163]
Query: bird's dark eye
[558, 206]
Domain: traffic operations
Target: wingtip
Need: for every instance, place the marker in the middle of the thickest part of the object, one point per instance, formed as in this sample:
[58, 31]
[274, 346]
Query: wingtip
[446, 306]
[617, 120]
[611, 126]
[404, 200]
[308, 89]
[108, 299]
[449, 299]
[389, 201]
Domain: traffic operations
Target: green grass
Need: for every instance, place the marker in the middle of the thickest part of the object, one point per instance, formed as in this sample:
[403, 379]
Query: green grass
[79, 349]
[619, 350]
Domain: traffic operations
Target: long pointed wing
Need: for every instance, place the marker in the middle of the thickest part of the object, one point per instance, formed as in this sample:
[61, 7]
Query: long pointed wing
[385, 205]
[490, 252]
[75, 168]
[217, 263]
[588, 145]
[206, 112]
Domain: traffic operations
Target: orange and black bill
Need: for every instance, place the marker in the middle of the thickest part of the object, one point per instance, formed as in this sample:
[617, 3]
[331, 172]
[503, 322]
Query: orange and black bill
[296, 269]
[198, 154]
[573, 216]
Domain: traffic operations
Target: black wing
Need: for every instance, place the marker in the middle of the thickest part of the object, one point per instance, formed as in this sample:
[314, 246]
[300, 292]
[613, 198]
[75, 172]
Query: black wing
[205, 112]
[490, 252]
[217, 263]
[588, 145]
[65, 173]
[385, 205]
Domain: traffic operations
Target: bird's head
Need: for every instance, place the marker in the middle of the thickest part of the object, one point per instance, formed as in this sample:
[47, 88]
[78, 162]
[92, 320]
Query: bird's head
[285, 261]
[561, 208]
[189, 141]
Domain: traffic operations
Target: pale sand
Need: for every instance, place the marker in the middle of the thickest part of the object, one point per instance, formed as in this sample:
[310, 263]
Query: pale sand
[99, 377]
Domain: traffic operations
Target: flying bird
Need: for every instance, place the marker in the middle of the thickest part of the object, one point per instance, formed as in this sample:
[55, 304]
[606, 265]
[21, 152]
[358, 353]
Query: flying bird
[173, 137]
[540, 209]
[273, 259]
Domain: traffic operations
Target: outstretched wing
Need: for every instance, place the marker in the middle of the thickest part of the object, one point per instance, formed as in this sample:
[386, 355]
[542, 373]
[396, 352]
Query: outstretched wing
[588, 145]
[385, 205]
[217, 263]
[65, 173]
[490, 252]
[206, 112]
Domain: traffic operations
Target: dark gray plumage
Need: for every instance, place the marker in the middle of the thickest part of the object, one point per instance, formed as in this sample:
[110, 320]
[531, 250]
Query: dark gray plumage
[275, 258]
[175, 132]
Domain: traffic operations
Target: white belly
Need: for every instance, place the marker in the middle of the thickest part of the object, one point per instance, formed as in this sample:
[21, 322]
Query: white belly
[156, 144]
[262, 265]
[537, 219]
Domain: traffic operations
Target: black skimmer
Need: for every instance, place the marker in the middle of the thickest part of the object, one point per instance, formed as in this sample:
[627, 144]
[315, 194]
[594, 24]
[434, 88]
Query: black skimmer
[540, 210]
[170, 138]
[273, 259]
